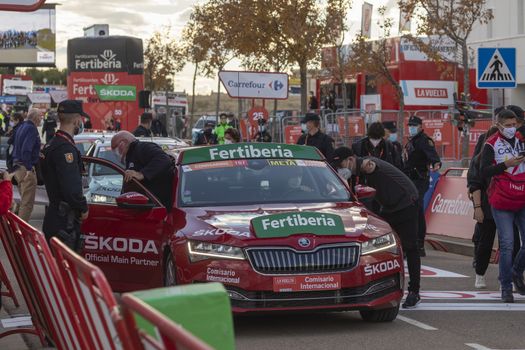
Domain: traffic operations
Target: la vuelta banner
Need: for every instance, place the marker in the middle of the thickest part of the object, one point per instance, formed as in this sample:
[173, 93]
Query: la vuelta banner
[450, 211]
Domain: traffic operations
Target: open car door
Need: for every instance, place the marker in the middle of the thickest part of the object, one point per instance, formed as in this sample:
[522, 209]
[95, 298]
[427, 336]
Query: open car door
[124, 233]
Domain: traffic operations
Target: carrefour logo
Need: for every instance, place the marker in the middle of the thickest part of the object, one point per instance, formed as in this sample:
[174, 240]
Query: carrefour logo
[277, 85]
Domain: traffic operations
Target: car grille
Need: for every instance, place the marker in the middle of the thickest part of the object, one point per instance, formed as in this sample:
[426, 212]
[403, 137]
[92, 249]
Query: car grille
[290, 261]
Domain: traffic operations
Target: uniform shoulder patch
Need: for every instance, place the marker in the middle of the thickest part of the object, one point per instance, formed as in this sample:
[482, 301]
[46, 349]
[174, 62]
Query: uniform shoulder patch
[430, 142]
[69, 157]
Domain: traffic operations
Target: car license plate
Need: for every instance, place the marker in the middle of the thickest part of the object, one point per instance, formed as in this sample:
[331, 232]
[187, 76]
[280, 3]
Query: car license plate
[306, 283]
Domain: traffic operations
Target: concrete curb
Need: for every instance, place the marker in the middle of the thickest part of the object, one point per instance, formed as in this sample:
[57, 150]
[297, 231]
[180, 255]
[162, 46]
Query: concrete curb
[450, 244]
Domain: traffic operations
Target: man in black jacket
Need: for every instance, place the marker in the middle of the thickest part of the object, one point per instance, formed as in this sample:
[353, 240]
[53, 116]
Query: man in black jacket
[147, 163]
[144, 129]
[314, 137]
[375, 145]
[398, 198]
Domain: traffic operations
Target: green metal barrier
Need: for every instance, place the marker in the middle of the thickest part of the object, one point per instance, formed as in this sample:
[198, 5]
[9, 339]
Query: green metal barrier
[202, 309]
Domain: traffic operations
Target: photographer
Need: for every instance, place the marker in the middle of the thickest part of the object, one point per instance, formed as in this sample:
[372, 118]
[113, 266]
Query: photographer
[262, 134]
[502, 165]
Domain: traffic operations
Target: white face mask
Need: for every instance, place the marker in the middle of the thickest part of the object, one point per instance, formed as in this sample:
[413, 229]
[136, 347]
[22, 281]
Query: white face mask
[345, 173]
[509, 132]
[11, 124]
[228, 142]
[118, 154]
[303, 128]
[375, 142]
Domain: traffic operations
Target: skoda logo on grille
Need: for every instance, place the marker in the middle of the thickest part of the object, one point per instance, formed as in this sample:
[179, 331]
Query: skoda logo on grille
[304, 242]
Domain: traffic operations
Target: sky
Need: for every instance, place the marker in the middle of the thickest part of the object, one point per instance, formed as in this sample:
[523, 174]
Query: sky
[140, 18]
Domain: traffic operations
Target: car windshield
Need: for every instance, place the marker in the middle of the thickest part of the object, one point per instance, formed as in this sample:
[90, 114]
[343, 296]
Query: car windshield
[83, 146]
[105, 152]
[255, 181]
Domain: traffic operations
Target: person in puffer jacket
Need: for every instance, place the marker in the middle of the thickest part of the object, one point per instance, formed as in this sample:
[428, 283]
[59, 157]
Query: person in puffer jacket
[503, 168]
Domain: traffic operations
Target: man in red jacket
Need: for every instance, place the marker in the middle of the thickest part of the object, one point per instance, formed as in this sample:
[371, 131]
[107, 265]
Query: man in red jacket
[6, 192]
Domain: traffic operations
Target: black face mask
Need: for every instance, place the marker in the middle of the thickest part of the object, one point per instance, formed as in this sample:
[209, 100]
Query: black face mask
[79, 129]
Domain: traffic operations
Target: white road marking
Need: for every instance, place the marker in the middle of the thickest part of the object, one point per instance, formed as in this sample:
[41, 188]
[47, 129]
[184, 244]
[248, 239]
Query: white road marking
[467, 307]
[481, 347]
[416, 323]
[427, 271]
[464, 295]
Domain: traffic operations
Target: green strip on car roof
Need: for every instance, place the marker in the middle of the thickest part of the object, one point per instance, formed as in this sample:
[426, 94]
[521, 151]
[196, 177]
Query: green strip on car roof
[249, 151]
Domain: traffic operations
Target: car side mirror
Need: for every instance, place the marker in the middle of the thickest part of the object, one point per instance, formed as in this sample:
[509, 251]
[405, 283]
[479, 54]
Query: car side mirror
[134, 200]
[364, 192]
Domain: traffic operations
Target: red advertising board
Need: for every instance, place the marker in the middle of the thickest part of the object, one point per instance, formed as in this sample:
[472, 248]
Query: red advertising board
[450, 212]
[356, 126]
[292, 133]
[82, 87]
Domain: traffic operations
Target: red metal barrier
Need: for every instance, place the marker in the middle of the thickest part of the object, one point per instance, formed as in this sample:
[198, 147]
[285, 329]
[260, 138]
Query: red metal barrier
[450, 212]
[5, 281]
[93, 299]
[172, 336]
[38, 277]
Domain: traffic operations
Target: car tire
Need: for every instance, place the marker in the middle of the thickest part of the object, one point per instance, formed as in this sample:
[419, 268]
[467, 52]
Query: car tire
[170, 272]
[382, 315]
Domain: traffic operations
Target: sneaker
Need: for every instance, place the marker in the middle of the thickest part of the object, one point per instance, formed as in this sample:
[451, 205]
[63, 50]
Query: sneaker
[480, 282]
[412, 300]
[506, 296]
[519, 286]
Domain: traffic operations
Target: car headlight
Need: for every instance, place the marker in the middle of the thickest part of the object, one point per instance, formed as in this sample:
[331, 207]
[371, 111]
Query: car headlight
[382, 243]
[199, 250]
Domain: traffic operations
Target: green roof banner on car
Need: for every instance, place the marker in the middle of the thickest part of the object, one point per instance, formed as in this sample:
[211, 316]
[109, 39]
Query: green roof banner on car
[249, 151]
[116, 92]
[287, 224]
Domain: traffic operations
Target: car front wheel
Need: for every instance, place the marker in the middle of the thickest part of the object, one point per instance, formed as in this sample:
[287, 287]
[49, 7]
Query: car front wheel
[382, 315]
[170, 278]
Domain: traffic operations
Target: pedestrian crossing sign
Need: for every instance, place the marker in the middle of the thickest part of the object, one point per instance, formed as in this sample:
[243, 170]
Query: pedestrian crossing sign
[496, 68]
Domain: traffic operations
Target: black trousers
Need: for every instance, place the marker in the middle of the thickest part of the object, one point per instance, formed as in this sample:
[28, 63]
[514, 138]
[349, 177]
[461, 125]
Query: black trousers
[422, 188]
[405, 223]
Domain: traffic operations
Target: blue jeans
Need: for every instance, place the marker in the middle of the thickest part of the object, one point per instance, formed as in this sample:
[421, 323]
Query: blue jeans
[505, 221]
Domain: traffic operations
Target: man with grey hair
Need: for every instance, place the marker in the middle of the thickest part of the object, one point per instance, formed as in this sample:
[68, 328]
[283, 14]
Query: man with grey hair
[62, 172]
[26, 154]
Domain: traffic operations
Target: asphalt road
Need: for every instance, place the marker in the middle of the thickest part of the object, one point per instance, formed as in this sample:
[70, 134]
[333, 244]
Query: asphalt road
[452, 315]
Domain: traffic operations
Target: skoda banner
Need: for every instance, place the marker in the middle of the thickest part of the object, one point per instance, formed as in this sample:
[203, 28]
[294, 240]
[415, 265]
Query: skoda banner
[116, 92]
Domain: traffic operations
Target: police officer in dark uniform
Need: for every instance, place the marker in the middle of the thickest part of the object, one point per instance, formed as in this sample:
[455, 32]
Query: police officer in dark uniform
[146, 162]
[314, 137]
[420, 156]
[262, 133]
[62, 173]
[144, 129]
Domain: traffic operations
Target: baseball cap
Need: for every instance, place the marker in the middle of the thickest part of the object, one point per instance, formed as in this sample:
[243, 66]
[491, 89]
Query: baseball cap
[390, 126]
[71, 106]
[342, 152]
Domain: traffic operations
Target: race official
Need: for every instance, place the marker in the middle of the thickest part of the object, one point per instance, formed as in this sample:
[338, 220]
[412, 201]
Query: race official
[314, 137]
[62, 171]
[147, 163]
[144, 129]
[398, 198]
[419, 157]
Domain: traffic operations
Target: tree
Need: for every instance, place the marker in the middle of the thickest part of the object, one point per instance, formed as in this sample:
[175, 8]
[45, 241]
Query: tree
[51, 76]
[454, 19]
[162, 59]
[195, 46]
[375, 59]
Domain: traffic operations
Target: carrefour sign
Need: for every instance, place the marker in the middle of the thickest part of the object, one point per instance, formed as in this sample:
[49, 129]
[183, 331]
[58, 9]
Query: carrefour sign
[255, 84]
[116, 92]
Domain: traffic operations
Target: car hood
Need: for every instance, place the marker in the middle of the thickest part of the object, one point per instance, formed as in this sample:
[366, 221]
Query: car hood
[235, 223]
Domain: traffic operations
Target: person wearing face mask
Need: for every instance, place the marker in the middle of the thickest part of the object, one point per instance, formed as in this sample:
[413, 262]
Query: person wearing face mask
[375, 145]
[15, 122]
[206, 137]
[62, 172]
[146, 162]
[503, 167]
[313, 136]
[262, 134]
[221, 127]
[398, 198]
[420, 157]
[391, 135]
[231, 135]
[26, 154]
[341, 161]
